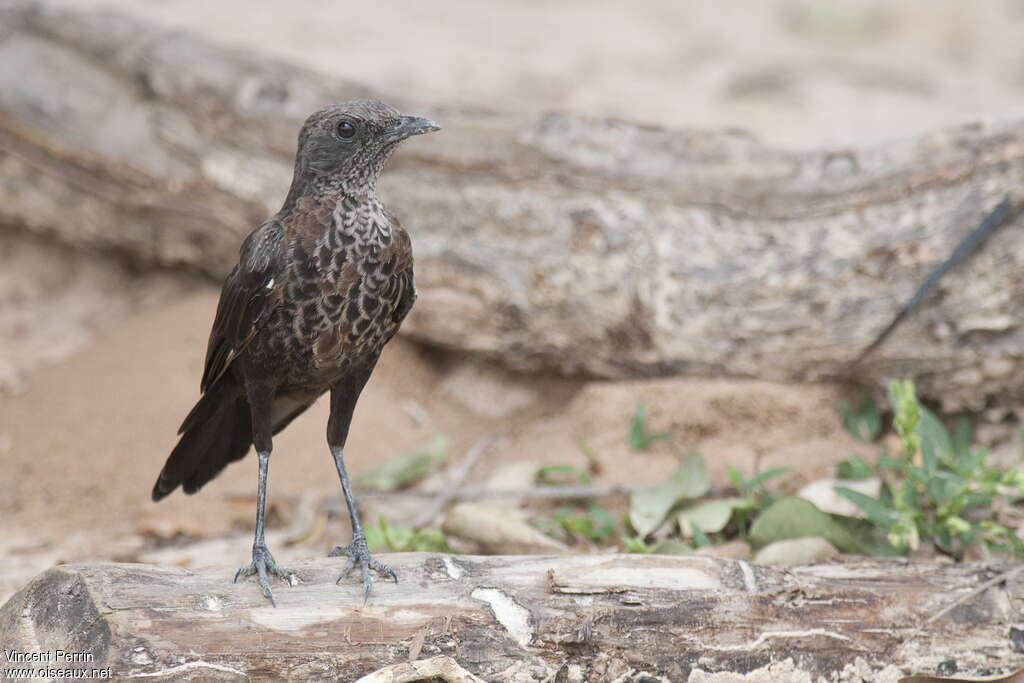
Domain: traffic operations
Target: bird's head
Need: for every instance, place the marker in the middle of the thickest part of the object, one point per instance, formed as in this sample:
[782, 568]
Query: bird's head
[347, 144]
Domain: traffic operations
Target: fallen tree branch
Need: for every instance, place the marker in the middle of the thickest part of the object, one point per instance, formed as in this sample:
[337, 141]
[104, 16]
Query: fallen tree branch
[593, 618]
[451, 489]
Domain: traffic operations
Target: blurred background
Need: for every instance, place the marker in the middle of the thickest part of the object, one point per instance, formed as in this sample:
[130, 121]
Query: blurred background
[101, 352]
[798, 73]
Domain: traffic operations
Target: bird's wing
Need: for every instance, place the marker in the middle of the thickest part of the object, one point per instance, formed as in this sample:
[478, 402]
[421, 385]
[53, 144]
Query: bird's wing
[399, 258]
[251, 292]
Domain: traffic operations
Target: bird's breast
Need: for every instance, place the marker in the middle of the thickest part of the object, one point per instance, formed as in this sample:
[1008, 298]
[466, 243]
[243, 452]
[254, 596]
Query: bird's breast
[345, 282]
[349, 312]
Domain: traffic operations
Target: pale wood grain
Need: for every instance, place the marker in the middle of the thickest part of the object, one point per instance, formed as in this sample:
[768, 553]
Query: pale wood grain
[515, 617]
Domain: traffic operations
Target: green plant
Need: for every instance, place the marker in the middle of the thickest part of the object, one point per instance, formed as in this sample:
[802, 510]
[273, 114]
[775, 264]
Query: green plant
[596, 525]
[938, 490]
[560, 475]
[392, 538]
[649, 507]
[593, 464]
[634, 545]
[855, 467]
[754, 486]
[700, 539]
[639, 438]
[753, 490]
[863, 421]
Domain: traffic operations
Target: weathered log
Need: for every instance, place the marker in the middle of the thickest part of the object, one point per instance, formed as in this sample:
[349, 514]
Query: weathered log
[551, 242]
[592, 618]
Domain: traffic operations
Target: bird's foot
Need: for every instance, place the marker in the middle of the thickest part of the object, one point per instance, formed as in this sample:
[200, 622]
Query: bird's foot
[357, 551]
[262, 565]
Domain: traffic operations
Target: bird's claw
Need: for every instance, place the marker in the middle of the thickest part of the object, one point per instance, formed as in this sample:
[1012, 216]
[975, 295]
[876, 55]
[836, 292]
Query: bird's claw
[357, 551]
[262, 565]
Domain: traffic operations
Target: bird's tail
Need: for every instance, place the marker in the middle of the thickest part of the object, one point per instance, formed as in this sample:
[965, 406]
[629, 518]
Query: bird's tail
[216, 432]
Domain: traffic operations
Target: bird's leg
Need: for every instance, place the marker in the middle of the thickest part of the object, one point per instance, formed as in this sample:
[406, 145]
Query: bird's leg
[356, 550]
[263, 562]
[344, 395]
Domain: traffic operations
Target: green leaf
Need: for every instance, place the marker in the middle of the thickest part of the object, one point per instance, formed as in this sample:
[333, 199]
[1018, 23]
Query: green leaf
[929, 458]
[796, 518]
[935, 441]
[700, 539]
[634, 544]
[762, 477]
[671, 546]
[892, 463]
[907, 496]
[940, 490]
[855, 468]
[930, 427]
[710, 516]
[961, 439]
[649, 506]
[736, 476]
[405, 470]
[560, 475]
[862, 421]
[590, 455]
[871, 536]
[604, 523]
[875, 509]
[389, 538]
[972, 463]
[597, 524]
[639, 438]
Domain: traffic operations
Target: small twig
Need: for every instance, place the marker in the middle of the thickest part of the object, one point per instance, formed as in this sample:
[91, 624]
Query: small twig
[999, 578]
[480, 492]
[535, 493]
[994, 219]
[449, 492]
[544, 492]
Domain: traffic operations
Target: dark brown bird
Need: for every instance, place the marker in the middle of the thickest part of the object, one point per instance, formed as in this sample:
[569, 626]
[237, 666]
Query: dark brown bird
[318, 291]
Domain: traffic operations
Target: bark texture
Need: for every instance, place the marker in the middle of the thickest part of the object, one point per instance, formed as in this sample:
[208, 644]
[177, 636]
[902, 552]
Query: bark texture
[554, 242]
[527, 618]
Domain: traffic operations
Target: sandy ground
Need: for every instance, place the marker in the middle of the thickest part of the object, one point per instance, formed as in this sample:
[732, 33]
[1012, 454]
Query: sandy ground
[99, 364]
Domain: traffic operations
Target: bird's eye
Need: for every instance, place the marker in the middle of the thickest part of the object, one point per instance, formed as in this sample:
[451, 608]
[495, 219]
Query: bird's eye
[346, 130]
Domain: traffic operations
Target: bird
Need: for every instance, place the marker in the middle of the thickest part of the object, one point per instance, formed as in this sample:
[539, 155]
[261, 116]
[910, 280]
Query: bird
[318, 290]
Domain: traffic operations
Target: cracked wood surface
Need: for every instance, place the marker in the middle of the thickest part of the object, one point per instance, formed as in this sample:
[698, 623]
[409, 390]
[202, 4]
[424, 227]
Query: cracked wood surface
[553, 242]
[593, 618]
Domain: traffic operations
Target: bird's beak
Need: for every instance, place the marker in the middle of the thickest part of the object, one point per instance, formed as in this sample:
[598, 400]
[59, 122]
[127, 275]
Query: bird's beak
[407, 126]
